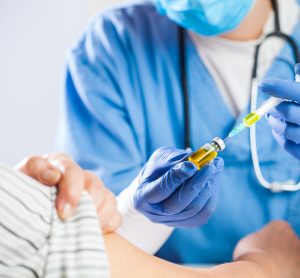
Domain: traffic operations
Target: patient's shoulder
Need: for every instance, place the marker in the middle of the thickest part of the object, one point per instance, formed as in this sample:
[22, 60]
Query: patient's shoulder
[25, 223]
[34, 242]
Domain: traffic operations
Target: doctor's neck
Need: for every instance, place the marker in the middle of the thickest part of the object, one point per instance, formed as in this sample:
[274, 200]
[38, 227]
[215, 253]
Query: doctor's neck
[252, 26]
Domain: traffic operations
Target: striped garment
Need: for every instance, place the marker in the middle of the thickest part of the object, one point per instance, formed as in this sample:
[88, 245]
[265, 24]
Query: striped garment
[35, 243]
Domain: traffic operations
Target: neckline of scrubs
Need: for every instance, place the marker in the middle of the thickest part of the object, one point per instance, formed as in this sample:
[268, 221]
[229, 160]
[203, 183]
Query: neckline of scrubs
[241, 143]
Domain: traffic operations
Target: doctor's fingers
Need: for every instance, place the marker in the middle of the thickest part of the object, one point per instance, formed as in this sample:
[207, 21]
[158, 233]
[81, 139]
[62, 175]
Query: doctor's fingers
[289, 111]
[280, 88]
[161, 161]
[40, 169]
[289, 146]
[163, 187]
[200, 187]
[168, 154]
[200, 218]
[285, 129]
[196, 206]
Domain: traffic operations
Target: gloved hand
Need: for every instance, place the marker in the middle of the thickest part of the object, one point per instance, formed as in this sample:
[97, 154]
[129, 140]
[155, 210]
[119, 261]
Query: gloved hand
[285, 118]
[172, 191]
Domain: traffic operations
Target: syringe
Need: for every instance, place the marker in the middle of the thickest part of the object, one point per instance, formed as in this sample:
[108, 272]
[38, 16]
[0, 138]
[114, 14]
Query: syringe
[256, 115]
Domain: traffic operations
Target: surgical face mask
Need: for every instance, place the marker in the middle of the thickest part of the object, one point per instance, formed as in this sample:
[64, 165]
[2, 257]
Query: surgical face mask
[206, 17]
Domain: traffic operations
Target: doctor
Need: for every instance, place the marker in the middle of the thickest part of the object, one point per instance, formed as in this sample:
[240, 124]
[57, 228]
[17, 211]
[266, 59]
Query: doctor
[177, 74]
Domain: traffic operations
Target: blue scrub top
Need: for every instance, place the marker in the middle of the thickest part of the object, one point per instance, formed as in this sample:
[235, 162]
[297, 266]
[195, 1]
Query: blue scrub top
[123, 100]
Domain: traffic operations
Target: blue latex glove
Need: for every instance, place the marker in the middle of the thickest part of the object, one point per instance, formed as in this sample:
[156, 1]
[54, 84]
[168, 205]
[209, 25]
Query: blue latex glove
[172, 191]
[285, 118]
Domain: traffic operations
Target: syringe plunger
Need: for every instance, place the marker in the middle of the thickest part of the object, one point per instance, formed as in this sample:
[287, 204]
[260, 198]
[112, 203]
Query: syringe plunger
[268, 105]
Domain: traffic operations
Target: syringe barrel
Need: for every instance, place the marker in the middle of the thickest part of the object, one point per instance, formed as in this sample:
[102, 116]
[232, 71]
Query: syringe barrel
[268, 105]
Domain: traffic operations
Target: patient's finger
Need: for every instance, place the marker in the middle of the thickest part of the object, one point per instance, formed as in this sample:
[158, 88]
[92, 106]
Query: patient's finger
[95, 187]
[40, 169]
[114, 223]
[70, 186]
[108, 208]
[104, 201]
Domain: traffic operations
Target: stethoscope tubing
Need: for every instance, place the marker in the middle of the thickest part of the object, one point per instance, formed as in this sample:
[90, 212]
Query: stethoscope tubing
[273, 186]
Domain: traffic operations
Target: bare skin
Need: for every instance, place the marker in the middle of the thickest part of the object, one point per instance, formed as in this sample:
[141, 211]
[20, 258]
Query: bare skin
[273, 252]
[252, 26]
[60, 170]
[277, 240]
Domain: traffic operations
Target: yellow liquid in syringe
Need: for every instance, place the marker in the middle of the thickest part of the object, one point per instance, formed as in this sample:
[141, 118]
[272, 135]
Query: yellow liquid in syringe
[251, 119]
[248, 121]
[256, 115]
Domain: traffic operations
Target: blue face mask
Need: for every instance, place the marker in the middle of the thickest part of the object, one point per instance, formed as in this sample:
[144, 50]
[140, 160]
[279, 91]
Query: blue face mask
[206, 17]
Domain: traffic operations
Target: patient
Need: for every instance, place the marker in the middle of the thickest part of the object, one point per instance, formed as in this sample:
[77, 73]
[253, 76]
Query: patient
[36, 243]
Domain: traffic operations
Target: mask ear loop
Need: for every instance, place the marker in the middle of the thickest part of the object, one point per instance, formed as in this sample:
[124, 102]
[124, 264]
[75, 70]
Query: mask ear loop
[275, 187]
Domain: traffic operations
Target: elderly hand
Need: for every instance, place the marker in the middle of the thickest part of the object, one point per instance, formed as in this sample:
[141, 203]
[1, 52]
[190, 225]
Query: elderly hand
[276, 248]
[60, 170]
[285, 118]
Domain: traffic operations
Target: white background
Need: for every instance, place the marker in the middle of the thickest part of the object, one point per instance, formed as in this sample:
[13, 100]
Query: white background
[34, 38]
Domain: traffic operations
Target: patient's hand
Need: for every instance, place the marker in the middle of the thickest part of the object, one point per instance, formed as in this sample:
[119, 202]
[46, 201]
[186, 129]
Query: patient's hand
[60, 170]
[276, 246]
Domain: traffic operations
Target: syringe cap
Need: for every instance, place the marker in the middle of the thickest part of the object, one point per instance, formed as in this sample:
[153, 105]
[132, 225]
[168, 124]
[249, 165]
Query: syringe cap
[220, 143]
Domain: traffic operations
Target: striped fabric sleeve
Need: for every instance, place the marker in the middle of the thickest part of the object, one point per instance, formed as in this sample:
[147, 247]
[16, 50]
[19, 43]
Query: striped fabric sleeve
[35, 243]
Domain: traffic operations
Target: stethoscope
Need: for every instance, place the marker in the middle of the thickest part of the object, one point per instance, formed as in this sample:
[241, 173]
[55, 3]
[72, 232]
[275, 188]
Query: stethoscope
[273, 186]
